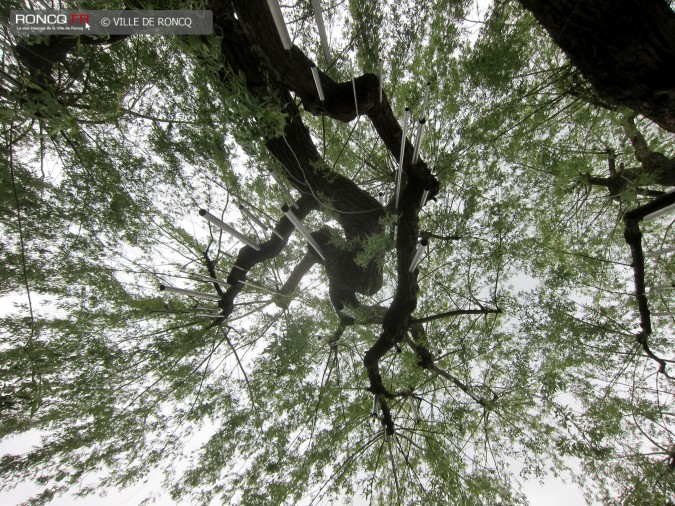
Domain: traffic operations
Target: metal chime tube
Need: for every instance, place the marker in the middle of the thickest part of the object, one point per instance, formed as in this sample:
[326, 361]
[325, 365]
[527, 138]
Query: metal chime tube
[206, 279]
[226, 228]
[254, 285]
[424, 102]
[376, 406]
[322, 30]
[379, 77]
[421, 247]
[660, 212]
[284, 190]
[659, 252]
[418, 140]
[189, 293]
[317, 81]
[425, 195]
[303, 230]
[404, 139]
[252, 217]
[279, 22]
[255, 219]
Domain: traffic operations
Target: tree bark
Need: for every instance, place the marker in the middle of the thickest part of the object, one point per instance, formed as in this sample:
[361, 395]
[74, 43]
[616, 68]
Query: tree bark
[358, 213]
[633, 237]
[625, 48]
[251, 47]
[654, 164]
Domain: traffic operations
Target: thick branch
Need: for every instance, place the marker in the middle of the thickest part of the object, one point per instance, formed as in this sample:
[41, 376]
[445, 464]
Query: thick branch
[251, 47]
[211, 268]
[334, 340]
[624, 48]
[654, 164]
[248, 257]
[633, 237]
[296, 276]
[617, 184]
[40, 58]
[455, 312]
[652, 206]
[292, 69]
[358, 212]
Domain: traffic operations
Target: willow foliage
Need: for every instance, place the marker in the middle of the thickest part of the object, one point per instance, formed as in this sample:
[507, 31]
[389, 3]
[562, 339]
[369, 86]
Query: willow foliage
[525, 295]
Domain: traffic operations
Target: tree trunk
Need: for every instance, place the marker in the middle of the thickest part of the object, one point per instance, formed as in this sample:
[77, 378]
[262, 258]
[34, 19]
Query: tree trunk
[625, 48]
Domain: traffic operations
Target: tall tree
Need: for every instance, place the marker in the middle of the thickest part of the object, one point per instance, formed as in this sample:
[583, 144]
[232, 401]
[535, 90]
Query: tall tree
[322, 371]
[623, 48]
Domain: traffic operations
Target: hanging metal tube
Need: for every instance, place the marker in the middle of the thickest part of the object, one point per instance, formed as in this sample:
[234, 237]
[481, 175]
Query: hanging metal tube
[305, 233]
[284, 190]
[257, 221]
[226, 228]
[376, 406]
[421, 248]
[404, 139]
[660, 212]
[252, 217]
[317, 81]
[379, 77]
[425, 195]
[322, 30]
[424, 102]
[254, 285]
[189, 293]
[659, 252]
[206, 279]
[279, 22]
[418, 140]
[356, 101]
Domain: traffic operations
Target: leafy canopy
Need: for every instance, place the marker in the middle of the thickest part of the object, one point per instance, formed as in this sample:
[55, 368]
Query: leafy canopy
[525, 296]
